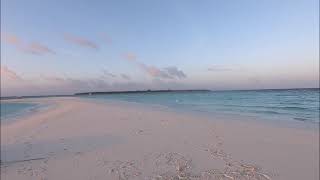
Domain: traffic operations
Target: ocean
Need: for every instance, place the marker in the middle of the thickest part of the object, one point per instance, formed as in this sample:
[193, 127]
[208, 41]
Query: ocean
[290, 104]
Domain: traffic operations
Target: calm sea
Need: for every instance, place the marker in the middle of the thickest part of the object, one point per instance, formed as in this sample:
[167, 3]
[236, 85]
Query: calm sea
[293, 104]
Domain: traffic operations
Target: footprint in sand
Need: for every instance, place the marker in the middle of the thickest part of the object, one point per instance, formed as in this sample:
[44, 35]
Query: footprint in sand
[173, 165]
[34, 170]
[141, 132]
[27, 150]
[64, 144]
[164, 122]
[51, 154]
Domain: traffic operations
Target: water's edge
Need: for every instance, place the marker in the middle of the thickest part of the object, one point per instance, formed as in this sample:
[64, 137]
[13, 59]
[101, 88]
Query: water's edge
[31, 108]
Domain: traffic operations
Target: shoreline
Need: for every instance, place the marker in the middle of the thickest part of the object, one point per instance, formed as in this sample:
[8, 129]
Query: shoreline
[37, 107]
[278, 111]
[93, 138]
[279, 122]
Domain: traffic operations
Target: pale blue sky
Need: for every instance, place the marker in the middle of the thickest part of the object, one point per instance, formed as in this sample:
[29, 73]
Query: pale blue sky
[216, 44]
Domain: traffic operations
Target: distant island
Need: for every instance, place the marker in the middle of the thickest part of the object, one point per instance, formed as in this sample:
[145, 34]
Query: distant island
[104, 92]
[140, 91]
[146, 91]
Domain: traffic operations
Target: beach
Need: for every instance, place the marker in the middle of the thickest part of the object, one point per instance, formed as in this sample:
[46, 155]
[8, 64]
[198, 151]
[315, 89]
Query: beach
[76, 138]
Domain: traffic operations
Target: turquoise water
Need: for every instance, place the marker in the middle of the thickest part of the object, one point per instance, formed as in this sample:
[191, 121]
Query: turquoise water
[13, 109]
[294, 104]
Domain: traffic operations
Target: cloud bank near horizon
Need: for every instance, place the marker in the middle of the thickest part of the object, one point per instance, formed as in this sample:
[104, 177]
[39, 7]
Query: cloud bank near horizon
[12, 84]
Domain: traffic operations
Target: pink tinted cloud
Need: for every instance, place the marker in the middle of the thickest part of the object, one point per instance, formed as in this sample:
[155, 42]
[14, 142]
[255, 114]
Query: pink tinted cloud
[33, 48]
[11, 39]
[36, 48]
[80, 41]
[154, 71]
[165, 73]
[6, 73]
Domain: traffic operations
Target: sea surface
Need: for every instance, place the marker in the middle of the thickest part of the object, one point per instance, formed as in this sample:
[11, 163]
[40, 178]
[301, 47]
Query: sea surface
[291, 104]
[11, 110]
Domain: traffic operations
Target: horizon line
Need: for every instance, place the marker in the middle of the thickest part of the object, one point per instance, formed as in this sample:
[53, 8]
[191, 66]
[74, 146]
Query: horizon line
[148, 90]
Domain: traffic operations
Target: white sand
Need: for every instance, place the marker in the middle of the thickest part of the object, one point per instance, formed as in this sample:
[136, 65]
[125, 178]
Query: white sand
[78, 139]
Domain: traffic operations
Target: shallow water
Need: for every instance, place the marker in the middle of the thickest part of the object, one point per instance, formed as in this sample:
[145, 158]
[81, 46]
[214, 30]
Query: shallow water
[14, 109]
[292, 104]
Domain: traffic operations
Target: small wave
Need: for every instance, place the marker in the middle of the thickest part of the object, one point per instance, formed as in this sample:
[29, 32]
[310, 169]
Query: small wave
[292, 108]
[271, 107]
[300, 119]
[266, 112]
[291, 103]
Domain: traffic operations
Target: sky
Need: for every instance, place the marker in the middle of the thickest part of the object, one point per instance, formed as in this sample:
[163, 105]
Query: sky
[65, 47]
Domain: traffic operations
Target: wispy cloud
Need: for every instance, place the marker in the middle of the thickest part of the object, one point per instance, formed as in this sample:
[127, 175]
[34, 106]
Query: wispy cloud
[107, 73]
[80, 41]
[35, 48]
[164, 73]
[124, 76]
[8, 74]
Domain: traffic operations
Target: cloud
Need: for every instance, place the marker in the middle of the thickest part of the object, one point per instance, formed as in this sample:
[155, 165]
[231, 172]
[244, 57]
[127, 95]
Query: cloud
[8, 74]
[164, 73]
[175, 72]
[107, 73]
[153, 71]
[124, 76]
[11, 39]
[14, 85]
[33, 48]
[36, 48]
[80, 41]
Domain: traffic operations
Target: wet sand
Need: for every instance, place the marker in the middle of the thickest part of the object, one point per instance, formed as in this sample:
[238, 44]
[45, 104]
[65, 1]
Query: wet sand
[81, 139]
